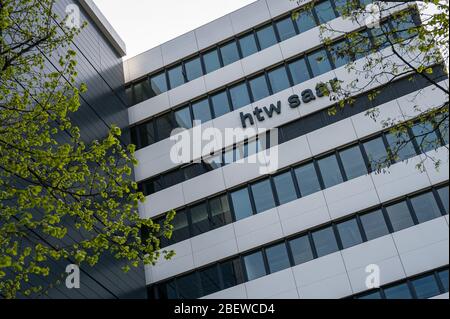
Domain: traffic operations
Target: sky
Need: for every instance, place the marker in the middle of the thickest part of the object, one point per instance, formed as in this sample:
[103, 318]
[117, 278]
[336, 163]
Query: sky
[144, 24]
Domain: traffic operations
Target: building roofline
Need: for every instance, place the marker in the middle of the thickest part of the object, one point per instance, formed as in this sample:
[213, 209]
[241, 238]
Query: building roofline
[105, 27]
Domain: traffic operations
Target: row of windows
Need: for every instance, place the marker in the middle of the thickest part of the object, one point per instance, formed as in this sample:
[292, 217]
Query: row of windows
[243, 93]
[286, 132]
[307, 246]
[425, 286]
[295, 182]
[234, 50]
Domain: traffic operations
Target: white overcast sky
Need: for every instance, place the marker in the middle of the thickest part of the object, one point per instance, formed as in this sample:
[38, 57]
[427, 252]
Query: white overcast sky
[144, 24]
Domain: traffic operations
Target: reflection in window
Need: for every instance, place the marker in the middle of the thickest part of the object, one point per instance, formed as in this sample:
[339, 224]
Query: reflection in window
[299, 71]
[189, 287]
[349, 233]
[425, 207]
[164, 125]
[158, 83]
[284, 185]
[401, 146]
[353, 162]
[331, 173]
[229, 53]
[278, 79]
[239, 96]
[286, 28]
[376, 153]
[443, 194]
[211, 60]
[232, 273]
[374, 225]
[266, 37]
[301, 250]
[259, 87]
[339, 54]
[400, 216]
[180, 227]
[425, 136]
[210, 280]
[307, 179]
[176, 77]
[398, 292]
[193, 69]
[426, 287]
[319, 62]
[254, 265]
[263, 196]
[199, 217]
[325, 241]
[443, 277]
[183, 118]
[201, 111]
[220, 103]
[248, 45]
[277, 257]
[220, 211]
[241, 204]
[305, 20]
[324, 11]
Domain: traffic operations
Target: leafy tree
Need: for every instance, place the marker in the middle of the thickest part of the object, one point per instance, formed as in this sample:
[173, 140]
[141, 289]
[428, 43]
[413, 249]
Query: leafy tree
[412, 41]
[50, 178]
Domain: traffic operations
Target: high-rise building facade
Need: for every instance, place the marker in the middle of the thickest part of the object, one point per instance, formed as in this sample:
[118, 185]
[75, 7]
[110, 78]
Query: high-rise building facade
[325, 220]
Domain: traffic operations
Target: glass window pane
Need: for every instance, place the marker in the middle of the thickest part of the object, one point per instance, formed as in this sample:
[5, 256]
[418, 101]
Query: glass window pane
[147, 133]
[220, 211]
[307, 179]
[349, 233]
[201, 111]
[183, 117]
[173, 178]
[325, 241]
[229, 53]
[401, 146]
[232, 273]
[398, 292]
[193, 69]
[278, 79]
[248, 45]
[188, 287]
[213, 162]
[284, 185]
[443, 276]
[239, 96]
[443, 194]
[331, 173]
[425, 136]
[443, 122]
[374, 225]
[263, 196]
[210, 280]
[211, 60]
[142, 91]
[372, 295]
[241, 204]
[220, 103]
[425, 207]
[158, 83]
[305, 20]
[254, 266]
[353, 162]
[164, 125]
[285, 28]
[400, 216]
[176, 77]
[324, 12]
[319, 62]
[259, 87]
[266, 37]
[299, 71]
[376, 153]
[301, 250]
[167, 290]
[361, 45]
[339, 54]
[426, 287]
[277, 257]
[199, 218]
[180, 227]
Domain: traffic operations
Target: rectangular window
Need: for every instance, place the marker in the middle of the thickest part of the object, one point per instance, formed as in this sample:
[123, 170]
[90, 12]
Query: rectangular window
[361, 45]
[254, 265]
[299, 71]
[242, 206]
[248, 45]
[400, 146]
[425, 136]
[259, 87]
[180, 227]
[305, 20]
[239, 96]
[325, 241]
[229, 156]
[443, 277]
[376, 153]
[147, 133]
[176, 77]
[211, 60]
[193, 69]
[232, 273]
[263, 196]
[325, 11]
[353, 162]
[426, 287]
[374, 225]
[398, 292]
[173, 178]
[220, 103]
[443, 194]
[158, 83]
[307, 179]
[167, 290]
[279, 79]
[425, 207]
[301, 250]
[201, 110]
[164, 125]
[277, 258]
[183, 117]
[371, 295]
[189, 287]
[142, 91]
[319, 62]
[443, 123]
[349, 233]
[199, 218]
[284, 185]
[400, 216]
[210, 280]
[229, 53]
[220, 211]
[331, 173]
[286, 28]
[339, 54]
[266, 37]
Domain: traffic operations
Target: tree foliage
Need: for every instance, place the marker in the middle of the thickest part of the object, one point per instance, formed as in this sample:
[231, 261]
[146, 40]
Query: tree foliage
[51, 181]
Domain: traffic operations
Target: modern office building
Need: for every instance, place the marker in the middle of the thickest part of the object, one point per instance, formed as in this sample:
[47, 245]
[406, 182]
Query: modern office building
[316, 226]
